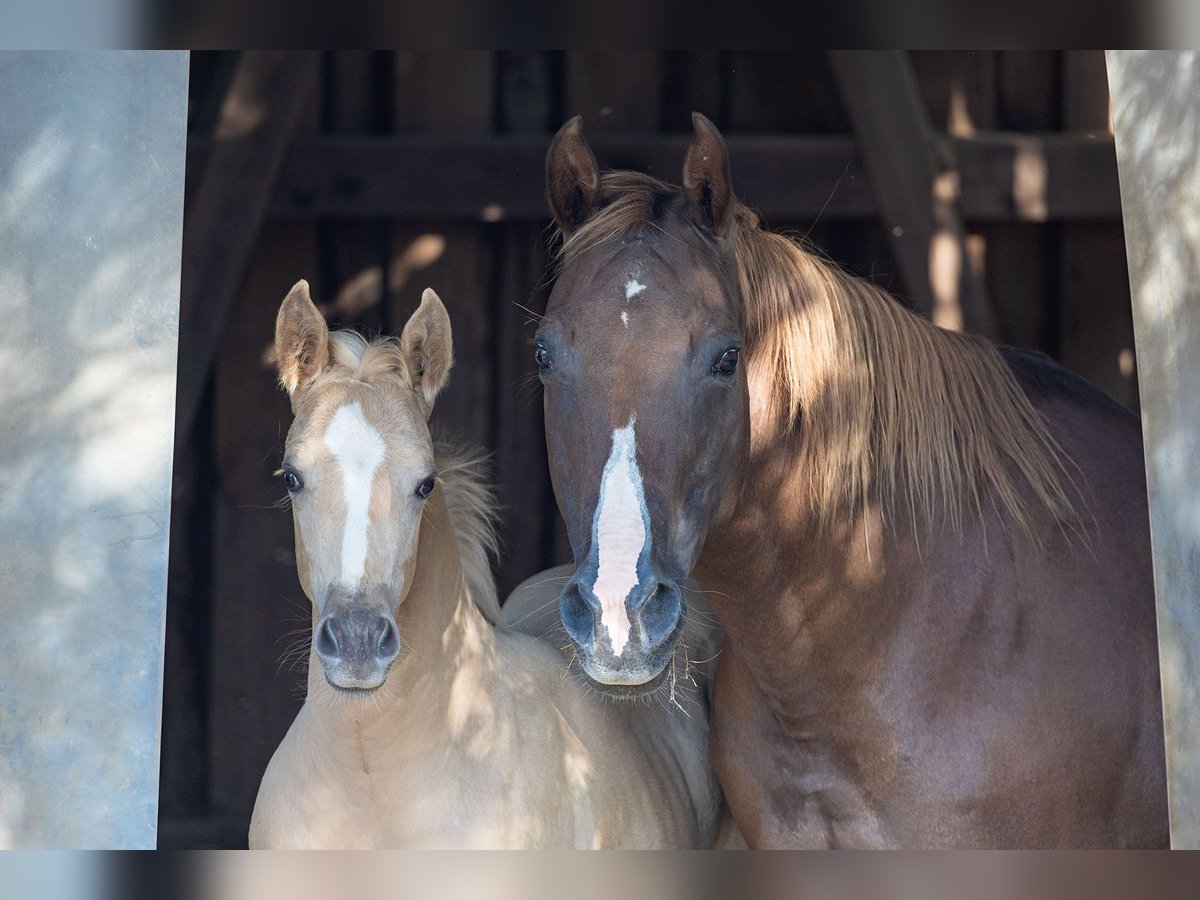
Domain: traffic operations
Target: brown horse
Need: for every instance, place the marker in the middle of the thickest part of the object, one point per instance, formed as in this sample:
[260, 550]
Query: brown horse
[930, 555]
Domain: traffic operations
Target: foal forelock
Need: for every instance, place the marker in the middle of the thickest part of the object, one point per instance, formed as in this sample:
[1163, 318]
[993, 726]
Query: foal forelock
[891, 409]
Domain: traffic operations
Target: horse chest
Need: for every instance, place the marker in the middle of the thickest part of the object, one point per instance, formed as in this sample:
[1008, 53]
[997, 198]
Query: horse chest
[786, 786]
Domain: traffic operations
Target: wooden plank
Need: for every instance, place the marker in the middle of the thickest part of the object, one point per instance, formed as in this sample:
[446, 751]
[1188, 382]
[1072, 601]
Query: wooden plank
[915, 185]
[443, 91]
[776, 91]
[1096, 338]
[257, 599]
[268, 98]
[1028, 90]
[1085, 101]
[183, 773]
[435, 93]
[1021, 265]
[615, 90]
[530, 514]
[1096, 316]
[527, 103]
[522, 473]
[694, 81]
[1020, 270]
[354, 253]
[497, 178]
[958, 87]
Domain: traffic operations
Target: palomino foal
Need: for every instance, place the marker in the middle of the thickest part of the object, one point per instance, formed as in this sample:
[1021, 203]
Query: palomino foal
[426, 724]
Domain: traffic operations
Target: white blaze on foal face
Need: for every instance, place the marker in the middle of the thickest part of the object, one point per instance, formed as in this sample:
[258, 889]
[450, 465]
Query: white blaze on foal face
[620, 535]
[359, 451]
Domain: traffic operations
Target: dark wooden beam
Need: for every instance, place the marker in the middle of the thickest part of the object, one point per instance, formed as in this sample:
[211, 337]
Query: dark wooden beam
[267, 99]
[494, 178]
[916, 185]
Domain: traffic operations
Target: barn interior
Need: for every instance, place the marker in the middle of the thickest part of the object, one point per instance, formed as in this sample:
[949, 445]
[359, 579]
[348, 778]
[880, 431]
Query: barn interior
[979, 187]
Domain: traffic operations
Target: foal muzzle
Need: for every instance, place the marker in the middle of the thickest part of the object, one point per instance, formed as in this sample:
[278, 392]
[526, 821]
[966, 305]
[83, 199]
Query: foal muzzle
[356, 648]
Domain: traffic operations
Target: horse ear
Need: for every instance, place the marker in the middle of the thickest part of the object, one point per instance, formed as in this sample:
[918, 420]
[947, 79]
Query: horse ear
[301, 339]
[427, 348]
[706, 179]
[572, 179]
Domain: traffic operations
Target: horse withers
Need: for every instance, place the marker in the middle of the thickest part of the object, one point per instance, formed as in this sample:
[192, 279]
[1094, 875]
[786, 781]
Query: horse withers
[432, 718]
[930, 555]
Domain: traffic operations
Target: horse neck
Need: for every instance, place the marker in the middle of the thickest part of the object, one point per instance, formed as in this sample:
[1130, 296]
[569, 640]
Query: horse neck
[442, 635]
[779, 576]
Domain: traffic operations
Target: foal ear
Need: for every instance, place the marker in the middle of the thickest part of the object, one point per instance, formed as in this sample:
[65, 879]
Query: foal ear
[301, 339]
[706, 178]
[572, 180]
[427, 348]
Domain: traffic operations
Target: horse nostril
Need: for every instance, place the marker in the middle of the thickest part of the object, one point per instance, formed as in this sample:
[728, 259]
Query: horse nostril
[389, 641]
[327, 643]
[660, 612]
[578, 617]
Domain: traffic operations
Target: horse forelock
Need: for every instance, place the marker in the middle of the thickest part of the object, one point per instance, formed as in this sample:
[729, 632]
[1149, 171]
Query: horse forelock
[885, 406]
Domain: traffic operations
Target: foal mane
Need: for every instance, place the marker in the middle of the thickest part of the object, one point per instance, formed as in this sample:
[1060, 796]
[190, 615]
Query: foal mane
[462, 470]
[885, 406]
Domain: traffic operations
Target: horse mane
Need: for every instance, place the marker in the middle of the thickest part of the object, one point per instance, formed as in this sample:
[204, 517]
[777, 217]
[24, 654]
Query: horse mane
[891, 407]
[462, 471]
[471, 501]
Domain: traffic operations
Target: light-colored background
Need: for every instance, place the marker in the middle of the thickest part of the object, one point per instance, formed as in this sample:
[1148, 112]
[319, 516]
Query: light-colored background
[91, 222]
[1156, 117]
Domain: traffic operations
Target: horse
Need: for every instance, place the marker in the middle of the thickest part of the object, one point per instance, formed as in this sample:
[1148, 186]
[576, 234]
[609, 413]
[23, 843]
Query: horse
[433, 719]
[930, 555]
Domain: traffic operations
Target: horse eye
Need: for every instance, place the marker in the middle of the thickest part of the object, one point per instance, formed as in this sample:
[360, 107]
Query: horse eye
[727, 364]
[291, 481]
[542, 355]
[425, 488]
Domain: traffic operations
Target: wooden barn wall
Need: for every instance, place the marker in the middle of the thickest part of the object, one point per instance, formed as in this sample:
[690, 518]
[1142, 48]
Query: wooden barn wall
[236, 611]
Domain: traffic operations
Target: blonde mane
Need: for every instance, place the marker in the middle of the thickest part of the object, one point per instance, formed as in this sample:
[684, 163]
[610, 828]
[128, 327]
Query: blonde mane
[462, 471]
[892, 408]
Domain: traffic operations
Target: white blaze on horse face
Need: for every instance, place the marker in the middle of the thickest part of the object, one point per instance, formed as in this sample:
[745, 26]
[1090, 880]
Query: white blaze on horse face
[359, 449]
[620, 535]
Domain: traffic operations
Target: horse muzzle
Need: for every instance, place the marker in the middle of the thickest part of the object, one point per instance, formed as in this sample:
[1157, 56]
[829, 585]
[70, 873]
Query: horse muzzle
[655, 620]
[356, 648]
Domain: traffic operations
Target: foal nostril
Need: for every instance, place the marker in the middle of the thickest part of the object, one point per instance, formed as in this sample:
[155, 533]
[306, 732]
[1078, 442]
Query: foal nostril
[578, 616]
[327, 642]
[389, 641]
[660, 610]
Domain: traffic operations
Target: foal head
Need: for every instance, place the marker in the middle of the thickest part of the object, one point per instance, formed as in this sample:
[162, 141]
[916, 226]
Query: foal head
[646, 403]
[359, 466]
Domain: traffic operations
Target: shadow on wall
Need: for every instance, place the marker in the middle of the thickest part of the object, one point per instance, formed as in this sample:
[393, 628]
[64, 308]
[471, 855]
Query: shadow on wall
[91, 195]
[1157, 120]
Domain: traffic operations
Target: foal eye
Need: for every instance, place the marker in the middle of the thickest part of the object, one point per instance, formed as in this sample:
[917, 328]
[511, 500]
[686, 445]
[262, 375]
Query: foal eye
[425, 488]
[727, 363]
[542, 355]
[290, 480]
